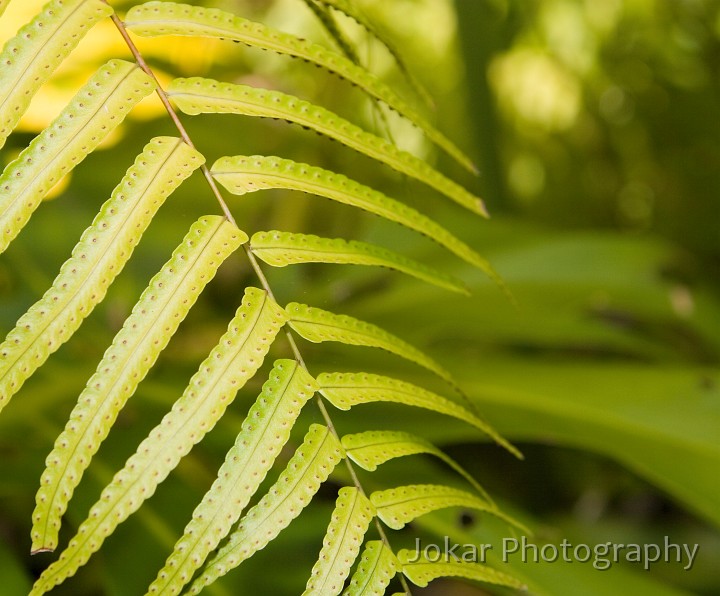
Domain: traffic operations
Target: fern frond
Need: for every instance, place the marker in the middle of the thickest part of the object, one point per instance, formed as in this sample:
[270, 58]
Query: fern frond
[285, 248]
[264, 432]
[169, 18]
[206, 96]
[350, 520]
[145, 333]
[401, 505]
[347, 8]
[234, 360]
[345, 390]
[96, 260]
[378, 565]
[29, 58]
[241, 174]
[421, 571]
[372, 448]
[312, 463]
[317, 325]
[94, 111]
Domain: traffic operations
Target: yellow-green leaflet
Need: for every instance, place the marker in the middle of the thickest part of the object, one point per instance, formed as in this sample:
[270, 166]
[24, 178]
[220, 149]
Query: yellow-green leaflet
[264, 432]
[28, 59]
[312, 463]
[241, 174]
[207, 96]
[377, 566]
[234, 360]
[350, 520]
[317, 325]
[372, 448]
[285, 248]
[146, 332]
[345, 390]
[89, 117]
[3, 6]
[96, 260]
[169, 18]
[399, 506]
[421, 571]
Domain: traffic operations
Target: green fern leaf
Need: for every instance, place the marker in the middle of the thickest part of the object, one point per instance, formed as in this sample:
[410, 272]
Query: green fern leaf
[234, 360]
[372, 448]
[94, 111]
[265, 430]
[378, 565]
[421, 571]
[401, 505]
[169, 18]
[285, 248]
[347, 8]
[37, 50]
[240, 175]
[341, 545]
[345, 390]
[312, 463]
[207, 96]
[317, 325]
[98, 257]
[146, 332]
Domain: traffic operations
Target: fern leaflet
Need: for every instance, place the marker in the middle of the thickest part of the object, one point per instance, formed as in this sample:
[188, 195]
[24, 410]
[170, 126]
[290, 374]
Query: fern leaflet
[401, 505]
[285, 248]
[372, 448]
[146, 332]
[317, 325]
[345, 390]
[341, 545]
[377, 566]
[421, 571]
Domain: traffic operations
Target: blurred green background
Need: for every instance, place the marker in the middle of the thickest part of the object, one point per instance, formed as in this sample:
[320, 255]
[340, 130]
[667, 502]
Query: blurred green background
[595, 126]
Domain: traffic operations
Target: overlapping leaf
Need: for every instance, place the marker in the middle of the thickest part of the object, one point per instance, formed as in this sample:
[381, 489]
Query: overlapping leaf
[169, 18]
[99, 256]
[305, 472]
[207, 96]
[234, 360]
[242, 174]
[29, 58]
[89, 117]
[263, 434]
[146, 332]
